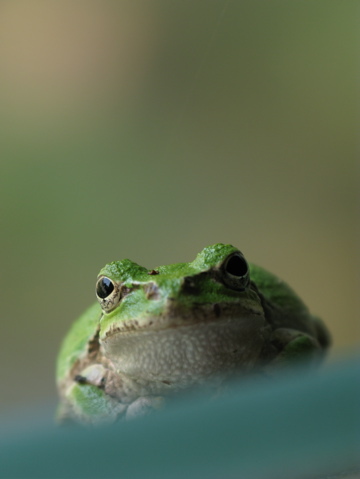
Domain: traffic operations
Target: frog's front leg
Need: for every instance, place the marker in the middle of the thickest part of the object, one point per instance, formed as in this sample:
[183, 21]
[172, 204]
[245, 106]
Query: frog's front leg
[100, 395]
[89, 398]
[294, 346]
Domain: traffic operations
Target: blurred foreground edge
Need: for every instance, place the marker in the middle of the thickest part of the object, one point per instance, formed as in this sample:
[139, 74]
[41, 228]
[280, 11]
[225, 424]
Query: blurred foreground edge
[304, 425]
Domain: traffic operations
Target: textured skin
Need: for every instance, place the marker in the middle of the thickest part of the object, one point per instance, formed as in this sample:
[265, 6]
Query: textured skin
[175, 327]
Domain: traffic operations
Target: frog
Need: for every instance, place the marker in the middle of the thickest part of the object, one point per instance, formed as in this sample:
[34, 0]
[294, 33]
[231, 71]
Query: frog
[155, 333]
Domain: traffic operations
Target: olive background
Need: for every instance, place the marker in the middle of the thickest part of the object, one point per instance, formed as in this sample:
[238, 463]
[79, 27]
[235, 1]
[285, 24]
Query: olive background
[149, 130]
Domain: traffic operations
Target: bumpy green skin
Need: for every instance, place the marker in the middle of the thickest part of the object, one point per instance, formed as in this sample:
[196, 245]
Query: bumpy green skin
[94, 384]
[76, 341]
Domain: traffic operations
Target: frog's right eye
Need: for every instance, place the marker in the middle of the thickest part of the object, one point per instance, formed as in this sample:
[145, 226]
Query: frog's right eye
[107, 293]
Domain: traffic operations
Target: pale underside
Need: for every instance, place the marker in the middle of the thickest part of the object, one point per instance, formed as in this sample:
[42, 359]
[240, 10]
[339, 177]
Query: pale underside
[178, 357]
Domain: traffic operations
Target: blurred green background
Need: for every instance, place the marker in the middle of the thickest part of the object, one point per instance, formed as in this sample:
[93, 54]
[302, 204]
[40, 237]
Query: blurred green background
[149, 130]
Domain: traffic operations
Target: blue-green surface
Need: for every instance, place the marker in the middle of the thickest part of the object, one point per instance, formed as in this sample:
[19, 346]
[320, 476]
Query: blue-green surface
[303, 423]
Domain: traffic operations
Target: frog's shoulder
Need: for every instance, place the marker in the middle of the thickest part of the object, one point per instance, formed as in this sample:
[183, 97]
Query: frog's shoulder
[275, 290]
[75, 343]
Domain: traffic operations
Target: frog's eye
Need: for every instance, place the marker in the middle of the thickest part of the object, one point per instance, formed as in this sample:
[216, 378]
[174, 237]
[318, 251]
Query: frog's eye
[107, 293]
[235, 271]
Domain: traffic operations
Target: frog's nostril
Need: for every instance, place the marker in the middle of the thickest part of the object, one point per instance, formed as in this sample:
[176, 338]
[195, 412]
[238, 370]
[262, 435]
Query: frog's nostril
[153, 271]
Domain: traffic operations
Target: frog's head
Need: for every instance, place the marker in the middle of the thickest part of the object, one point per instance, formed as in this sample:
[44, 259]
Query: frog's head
[178, 323]
[215, 286]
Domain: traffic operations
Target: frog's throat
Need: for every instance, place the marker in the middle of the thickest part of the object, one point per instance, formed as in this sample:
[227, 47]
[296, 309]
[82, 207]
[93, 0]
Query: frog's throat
[183, 355]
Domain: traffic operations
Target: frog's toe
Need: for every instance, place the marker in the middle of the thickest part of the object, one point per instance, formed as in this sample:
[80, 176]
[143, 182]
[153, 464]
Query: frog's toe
[94, 374]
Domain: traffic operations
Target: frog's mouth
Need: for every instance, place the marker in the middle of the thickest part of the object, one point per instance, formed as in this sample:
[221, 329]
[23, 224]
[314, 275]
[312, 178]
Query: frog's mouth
[179, 356]
[176, 316]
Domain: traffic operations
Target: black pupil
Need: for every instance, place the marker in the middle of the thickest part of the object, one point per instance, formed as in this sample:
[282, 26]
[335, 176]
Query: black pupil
[236, 266]
[104, 288]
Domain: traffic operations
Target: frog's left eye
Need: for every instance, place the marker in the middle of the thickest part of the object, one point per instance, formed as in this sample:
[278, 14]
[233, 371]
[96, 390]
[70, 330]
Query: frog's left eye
[235, 271]
[107, 293]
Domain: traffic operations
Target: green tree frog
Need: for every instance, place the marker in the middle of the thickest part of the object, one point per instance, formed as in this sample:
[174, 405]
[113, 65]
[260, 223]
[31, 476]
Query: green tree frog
[156, 332]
